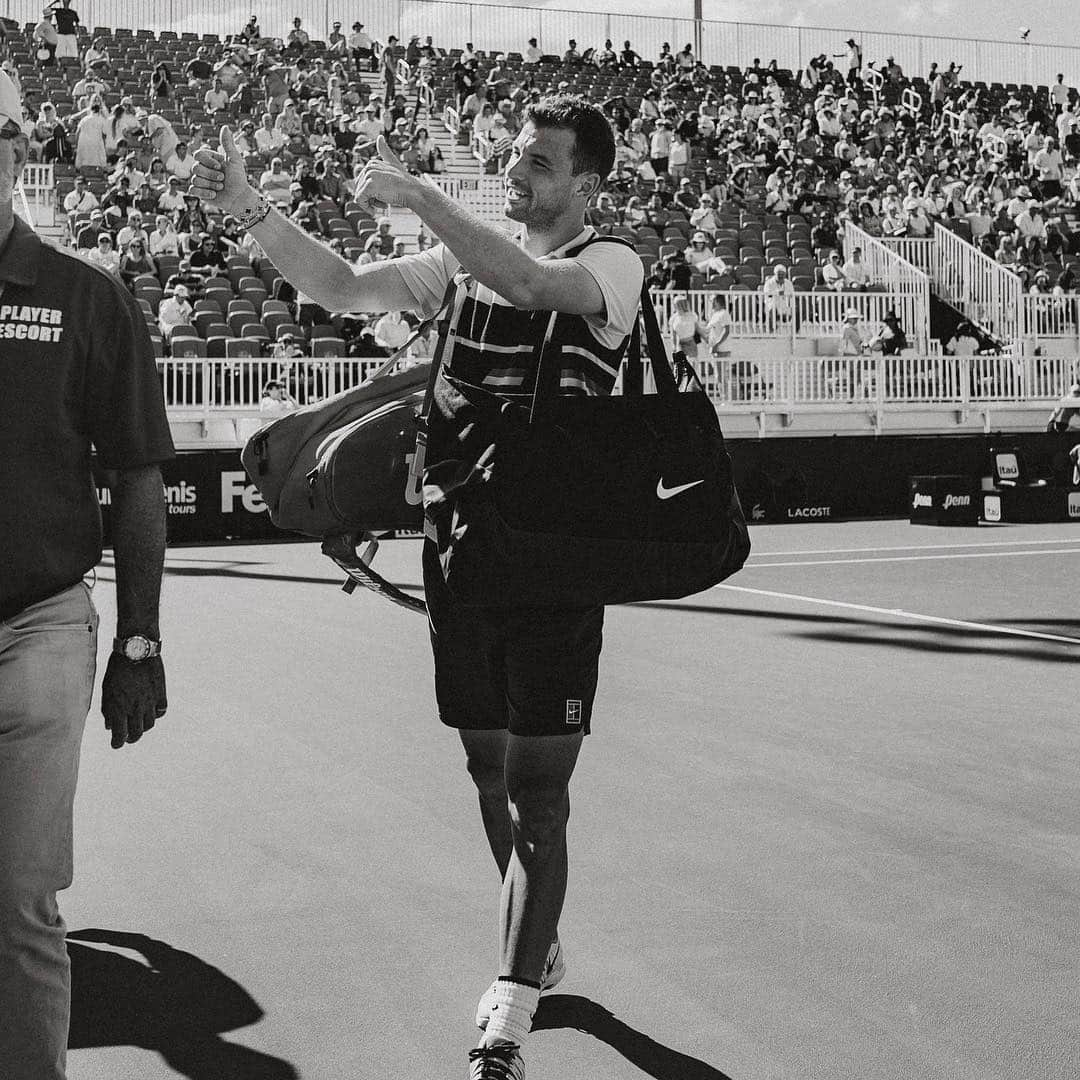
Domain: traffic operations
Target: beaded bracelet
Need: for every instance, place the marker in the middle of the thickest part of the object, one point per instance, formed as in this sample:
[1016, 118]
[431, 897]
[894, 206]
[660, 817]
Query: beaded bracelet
[246, 219]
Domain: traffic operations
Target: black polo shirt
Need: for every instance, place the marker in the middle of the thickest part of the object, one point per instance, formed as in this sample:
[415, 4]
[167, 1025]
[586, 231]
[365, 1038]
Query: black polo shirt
[76, 368]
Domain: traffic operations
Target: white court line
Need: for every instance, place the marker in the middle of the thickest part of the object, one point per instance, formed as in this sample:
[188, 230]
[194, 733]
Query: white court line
[913, 558]
[914, 547]
[897, 613]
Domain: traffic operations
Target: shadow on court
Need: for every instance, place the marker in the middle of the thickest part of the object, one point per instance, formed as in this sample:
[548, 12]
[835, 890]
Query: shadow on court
[653, 1059]
[171, 1002]
[908, 634]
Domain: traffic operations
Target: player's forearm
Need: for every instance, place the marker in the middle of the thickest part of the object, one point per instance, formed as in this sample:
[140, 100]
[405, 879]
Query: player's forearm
[487, 253]
[310, 266]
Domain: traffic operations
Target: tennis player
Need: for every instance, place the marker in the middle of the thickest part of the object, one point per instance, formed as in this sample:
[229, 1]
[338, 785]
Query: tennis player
[519, 686]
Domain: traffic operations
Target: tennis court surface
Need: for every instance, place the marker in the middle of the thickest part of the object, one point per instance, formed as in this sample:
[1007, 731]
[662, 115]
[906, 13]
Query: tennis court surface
[825, 829]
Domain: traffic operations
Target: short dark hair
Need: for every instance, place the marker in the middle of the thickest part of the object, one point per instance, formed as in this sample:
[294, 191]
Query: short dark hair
[594, 143]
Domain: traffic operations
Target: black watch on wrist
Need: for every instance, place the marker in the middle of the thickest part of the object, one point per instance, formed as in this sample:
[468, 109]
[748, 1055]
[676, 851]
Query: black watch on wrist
[136, 648]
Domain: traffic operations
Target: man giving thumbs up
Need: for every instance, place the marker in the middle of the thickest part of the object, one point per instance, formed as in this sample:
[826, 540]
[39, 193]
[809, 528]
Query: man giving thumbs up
[518, 685]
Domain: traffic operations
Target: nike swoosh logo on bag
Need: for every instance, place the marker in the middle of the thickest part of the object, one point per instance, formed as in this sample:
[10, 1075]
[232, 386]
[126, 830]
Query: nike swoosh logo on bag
[669, 493]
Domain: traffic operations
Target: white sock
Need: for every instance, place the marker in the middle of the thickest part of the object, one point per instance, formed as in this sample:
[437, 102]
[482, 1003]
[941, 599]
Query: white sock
[513, 1005]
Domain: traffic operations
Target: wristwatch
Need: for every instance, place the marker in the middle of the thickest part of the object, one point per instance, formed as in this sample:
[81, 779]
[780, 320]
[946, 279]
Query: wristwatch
[136, 648]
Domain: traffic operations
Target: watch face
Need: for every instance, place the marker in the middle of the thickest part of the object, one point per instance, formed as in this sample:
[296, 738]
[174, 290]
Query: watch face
[137, 647]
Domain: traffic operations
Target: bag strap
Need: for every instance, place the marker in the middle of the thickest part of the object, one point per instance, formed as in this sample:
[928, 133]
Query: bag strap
[452, 299]
[546, 382]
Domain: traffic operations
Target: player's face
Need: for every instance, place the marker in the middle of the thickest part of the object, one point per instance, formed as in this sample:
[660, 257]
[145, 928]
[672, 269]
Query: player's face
[540, 185]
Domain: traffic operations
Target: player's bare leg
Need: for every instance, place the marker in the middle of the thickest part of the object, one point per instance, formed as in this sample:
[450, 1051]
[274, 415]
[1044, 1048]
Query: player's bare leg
[538, 772]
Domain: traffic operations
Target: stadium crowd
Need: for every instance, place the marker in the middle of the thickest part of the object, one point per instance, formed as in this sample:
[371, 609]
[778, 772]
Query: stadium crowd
[726, 178]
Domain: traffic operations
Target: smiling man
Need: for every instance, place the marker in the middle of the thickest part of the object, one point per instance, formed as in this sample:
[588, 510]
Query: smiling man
[518, 685]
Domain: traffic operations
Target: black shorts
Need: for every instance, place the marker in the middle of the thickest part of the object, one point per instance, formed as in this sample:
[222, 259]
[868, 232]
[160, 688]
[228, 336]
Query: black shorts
[531, 671]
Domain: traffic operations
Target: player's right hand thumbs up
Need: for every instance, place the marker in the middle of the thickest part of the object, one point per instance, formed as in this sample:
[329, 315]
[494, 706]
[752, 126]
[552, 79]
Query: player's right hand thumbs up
[219, 176]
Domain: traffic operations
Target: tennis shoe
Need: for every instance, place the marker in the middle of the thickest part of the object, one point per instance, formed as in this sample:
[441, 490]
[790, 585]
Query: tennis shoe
[501, 1062]
[550, 977]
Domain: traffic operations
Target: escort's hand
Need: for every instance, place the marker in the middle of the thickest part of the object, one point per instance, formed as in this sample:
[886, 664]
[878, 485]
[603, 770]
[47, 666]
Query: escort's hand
[384, 181]
[132, 697]
[220, 178]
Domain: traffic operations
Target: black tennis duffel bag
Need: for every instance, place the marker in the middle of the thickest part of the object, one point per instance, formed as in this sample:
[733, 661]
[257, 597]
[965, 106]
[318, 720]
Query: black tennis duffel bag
[549, 500]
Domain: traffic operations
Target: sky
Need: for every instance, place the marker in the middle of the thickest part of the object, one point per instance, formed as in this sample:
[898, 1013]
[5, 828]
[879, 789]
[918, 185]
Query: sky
[1051, 21]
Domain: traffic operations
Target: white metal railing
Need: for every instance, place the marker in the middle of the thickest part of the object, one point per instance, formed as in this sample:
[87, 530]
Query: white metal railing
[201, 386]
[35, 197]
[504, 28]
[909, 285]
[813, 316]
[912, 101]
[1050, 320]
[452, 122]
[882, 381]
[917, 250]
[983, 290]
[197, 388]
[485, 196]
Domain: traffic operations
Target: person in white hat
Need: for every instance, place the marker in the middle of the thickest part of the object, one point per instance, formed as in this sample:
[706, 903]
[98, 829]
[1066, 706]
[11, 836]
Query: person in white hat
[95, 382]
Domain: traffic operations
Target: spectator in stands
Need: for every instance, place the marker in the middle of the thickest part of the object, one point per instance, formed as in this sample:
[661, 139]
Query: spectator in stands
[832, 273]
[1049, 165]
[703, 218]
[628, 59]
[208, 259]
[191, 222]
[171, 200]
[779, 296]
[964, 342]
[391, 331]
[532, 53]
[146, 199]
[86, 237]
[851, 340]
[174, 310]
[180, 163]
[276, 400]
[856, 272]
[274, 181]
[388, 68]
[118, 200]
[96, 59]
[162, 91]
[719, 326]
[45, 40]
[199, 69]
[361, 47]
[698, 253]
[135, 261]
[298, 39]
[104, 256]
[919, 223]
[131, 230]
[80, 200]
[290, 125]
[187, 278]
[572, 57]
[163, 240]
[216, 99]
[90, 138]
[685, 329]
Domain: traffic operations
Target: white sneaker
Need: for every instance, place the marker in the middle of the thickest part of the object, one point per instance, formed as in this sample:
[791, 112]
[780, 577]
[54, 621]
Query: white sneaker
[550, 977]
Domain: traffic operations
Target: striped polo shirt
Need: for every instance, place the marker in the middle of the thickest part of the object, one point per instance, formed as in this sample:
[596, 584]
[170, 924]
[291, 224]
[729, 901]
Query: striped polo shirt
[491, 342]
